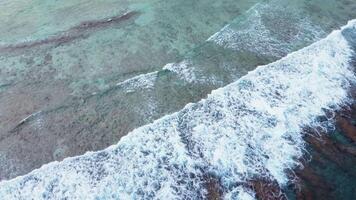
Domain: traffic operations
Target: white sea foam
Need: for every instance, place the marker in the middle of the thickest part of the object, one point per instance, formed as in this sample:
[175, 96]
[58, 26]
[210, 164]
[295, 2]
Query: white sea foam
[249, 129]
[186, 71]
[183, 69]
[254, 33]
[240, 193]
[142, 81]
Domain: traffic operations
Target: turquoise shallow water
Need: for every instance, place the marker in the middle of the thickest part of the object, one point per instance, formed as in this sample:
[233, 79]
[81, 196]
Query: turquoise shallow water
[69, 90]
[64, 97]
[64, 62]
[249, 137]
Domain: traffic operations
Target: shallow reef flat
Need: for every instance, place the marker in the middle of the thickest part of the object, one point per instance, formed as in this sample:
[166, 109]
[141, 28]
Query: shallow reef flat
[250, 139]
[82, 87]
[57, 53]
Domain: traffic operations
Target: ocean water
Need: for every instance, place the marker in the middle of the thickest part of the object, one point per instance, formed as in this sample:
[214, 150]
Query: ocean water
[82, 95]
[245, 131]
[79, 102]
[70, 50]
[151, 33]
[78, 76]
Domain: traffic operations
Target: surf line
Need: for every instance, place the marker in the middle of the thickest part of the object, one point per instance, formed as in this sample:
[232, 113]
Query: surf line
[248, 131]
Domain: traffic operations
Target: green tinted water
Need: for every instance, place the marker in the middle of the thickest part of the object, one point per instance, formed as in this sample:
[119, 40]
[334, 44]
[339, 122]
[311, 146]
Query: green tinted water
[56, 54]
[79, 87]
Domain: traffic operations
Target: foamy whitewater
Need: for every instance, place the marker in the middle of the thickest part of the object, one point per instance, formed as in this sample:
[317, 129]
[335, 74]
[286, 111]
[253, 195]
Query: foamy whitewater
[248, 130]
[248, 32]
[143, 81]
[253, 35]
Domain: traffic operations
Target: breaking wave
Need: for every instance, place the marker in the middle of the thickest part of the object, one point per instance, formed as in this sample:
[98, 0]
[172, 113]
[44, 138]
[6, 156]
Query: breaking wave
[142, 81]
[249, 129]
[270, 30]
[254, 32]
